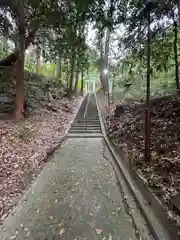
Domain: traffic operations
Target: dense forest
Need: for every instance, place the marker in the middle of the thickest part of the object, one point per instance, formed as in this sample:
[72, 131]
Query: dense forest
[53, 38]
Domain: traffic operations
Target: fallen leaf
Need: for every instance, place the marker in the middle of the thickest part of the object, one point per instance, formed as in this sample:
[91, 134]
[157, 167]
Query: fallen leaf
[13, 237]
[62, 231]
[119, 209]
[99, 231]
[60, 224]
[28, 233]
[110, 237]
[4, 216]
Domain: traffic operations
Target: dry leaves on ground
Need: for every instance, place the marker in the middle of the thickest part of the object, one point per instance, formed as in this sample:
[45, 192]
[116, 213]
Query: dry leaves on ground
[25, 146]
[163, 171]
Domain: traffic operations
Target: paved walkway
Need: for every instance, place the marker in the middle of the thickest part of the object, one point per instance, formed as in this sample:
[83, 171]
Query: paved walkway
[77, 197]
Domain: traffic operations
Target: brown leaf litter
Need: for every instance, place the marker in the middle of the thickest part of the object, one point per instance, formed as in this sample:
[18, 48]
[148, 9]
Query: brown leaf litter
[162, 173]
[24, 147]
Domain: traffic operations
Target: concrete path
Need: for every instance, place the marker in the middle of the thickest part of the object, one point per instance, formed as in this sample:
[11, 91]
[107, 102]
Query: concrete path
[77, 197]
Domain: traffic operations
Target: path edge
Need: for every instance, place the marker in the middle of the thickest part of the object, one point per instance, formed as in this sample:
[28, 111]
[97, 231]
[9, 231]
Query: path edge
[44, 159]
[161, 229]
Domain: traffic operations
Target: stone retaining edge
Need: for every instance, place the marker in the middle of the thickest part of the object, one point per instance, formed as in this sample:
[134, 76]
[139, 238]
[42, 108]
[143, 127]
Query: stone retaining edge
[151, 208]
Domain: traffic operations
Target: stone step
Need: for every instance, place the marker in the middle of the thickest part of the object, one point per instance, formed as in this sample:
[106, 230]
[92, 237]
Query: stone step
[86, 135]
[86, 126]
[86, 123]
[87, 120]
[84, 131]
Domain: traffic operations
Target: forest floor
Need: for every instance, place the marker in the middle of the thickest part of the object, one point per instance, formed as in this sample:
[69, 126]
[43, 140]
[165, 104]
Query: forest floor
[24, 148]
[162, 173]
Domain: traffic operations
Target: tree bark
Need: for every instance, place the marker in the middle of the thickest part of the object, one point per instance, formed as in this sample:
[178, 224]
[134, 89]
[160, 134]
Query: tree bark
[102, 80]
[110, 13]
[38, 60]
[71, 74]
[176, 53]
[58, 67]
[66, 69]
[147, 127]
[106, 55]
[11, 59]
[178, 5]
[82, 83]
[19, 113]
[77, 78]
[102, 67]
[113, 85]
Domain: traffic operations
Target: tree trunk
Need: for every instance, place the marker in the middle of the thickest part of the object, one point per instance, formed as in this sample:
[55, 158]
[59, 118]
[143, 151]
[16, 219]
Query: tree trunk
[16, 42]
[11, 59]
[178, 5]
[82, 83]
[38, 60]
[76, 79]
[67, 83]
[101, 60]
[58, 67]
[106, 55]
[176, 53]
[19, 114]
[71, 74]
[102, 80]
[113, 85]
[5, 38]
[147, 127]
[66, 69]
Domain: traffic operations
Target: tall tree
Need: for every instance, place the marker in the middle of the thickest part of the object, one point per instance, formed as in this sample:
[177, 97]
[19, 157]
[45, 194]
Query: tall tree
[19, 114]
[39, 15]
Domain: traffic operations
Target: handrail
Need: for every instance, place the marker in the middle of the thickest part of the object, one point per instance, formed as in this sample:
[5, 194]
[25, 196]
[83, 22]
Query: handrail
[85, 112]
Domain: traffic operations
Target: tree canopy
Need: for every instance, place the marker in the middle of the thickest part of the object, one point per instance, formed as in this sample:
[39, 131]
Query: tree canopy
[60, 29]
